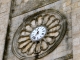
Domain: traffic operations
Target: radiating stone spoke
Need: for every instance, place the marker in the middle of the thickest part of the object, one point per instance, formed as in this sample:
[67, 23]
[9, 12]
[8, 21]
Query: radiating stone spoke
[28, 28]
[55, 34]
[23, 44]
[44, 45]
[38, 50]
[22, 39]
[40, 19]
[51, 18]
[45, 18]
[55, 28]
[25, 49]
[25, 33]
[49, 40]
[32, 49]
[33, 24]
[53, 24]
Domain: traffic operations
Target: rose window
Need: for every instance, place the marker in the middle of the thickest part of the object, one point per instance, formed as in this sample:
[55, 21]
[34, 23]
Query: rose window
[39, 34]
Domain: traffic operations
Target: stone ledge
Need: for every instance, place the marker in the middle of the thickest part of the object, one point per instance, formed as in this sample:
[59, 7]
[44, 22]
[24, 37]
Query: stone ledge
[29, 6]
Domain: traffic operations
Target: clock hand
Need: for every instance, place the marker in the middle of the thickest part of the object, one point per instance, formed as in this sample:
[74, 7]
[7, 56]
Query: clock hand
[34, 37]
[38, 32]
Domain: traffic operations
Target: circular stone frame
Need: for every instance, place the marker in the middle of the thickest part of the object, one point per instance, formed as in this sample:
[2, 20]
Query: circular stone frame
[56, 43]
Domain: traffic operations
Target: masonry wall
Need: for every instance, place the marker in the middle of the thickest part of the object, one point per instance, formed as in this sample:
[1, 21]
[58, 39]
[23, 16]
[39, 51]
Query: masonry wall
[68, 48]
[4, 19]
[76, 29]
[63, 50]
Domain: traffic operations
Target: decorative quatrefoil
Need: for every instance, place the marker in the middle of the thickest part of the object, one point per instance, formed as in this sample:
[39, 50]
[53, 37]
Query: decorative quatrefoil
[39, 34]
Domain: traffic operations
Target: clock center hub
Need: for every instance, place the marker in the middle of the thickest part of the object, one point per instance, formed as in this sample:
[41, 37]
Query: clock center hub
[38, 33]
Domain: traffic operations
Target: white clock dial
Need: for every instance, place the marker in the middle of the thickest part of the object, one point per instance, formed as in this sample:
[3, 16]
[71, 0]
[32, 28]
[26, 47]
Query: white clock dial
[38, 33]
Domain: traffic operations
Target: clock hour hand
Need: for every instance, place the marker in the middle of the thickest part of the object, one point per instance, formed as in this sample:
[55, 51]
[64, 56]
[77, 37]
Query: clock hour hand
[37, 32]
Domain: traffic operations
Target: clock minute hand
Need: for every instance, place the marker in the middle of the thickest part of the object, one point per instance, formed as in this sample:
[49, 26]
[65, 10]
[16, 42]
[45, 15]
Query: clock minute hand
[37, 33]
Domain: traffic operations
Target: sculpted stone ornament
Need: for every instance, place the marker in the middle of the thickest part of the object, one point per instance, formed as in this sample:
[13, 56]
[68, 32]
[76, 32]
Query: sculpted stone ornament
[39, 34]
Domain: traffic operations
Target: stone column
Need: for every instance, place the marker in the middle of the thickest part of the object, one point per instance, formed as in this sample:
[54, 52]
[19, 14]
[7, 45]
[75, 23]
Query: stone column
[4, 19]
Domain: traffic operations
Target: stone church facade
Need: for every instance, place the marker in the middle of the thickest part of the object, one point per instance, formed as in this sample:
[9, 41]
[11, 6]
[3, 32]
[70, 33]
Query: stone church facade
[14, 13]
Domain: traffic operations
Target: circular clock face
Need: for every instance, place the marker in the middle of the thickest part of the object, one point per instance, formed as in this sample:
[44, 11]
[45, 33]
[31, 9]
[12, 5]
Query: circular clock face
[38, 33]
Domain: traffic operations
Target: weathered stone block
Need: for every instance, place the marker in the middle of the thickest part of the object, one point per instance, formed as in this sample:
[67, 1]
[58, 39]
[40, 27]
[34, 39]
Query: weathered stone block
[76, 41]
[68, 2]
